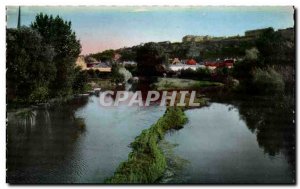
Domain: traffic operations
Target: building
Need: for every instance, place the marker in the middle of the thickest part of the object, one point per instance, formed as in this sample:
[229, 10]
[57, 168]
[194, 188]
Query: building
[219, 64]
[255, 33]
[195, 38]
[176, 61]
[191, 62]
[101, 66]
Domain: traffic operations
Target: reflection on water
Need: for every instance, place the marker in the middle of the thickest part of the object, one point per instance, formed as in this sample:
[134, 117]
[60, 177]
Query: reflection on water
[240, 141]
[251, 141]
[56, 150]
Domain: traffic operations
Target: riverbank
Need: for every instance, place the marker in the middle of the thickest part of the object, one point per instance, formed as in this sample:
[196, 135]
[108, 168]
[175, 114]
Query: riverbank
[182, 84]
[146, 163]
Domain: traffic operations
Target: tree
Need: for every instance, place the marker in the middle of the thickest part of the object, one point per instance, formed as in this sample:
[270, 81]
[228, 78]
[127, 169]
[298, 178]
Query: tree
[117, 77]
[150, 59]
[127, 54]
[271, 47]
[30, 67]
[104, 56]
[81, 78]
[58, 33]
[268, 81]
[251, 54]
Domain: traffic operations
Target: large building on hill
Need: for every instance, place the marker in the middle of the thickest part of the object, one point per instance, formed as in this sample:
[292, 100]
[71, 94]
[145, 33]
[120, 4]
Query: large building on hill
[249, 34]
[255, 33]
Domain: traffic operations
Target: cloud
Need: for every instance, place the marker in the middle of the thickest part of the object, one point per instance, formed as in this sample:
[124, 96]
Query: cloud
[141, 9]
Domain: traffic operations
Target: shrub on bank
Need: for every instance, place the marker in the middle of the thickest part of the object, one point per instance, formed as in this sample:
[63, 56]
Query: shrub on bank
[267, 81]
[199, 74]
[40, 94]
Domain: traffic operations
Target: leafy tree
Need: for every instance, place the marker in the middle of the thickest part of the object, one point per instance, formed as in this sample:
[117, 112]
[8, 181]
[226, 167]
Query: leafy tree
[268, 81]
[30, 68]
[117, 77]
[104, 56]
[127, 55]
[251, 54]
[58, 33]
[150, 59]
[198, 74]
[271, 47]
[81, 78]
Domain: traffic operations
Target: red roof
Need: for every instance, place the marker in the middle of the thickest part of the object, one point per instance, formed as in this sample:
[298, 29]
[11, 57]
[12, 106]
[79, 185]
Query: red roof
[214, 64]
[226, 63]
[191, 62]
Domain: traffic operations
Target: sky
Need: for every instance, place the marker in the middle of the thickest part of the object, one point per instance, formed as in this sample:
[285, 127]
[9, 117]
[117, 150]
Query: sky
[101, 28]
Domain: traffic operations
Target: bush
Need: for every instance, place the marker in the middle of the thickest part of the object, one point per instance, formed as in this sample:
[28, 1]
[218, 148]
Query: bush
[267, 81]
[126, 74]
[199, 74]
[39, 94]
[132, 69]
[80, 81]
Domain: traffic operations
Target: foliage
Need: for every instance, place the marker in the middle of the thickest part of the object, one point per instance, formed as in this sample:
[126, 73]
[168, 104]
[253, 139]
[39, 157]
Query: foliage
[132, 69]
[117, 77]
[175, 83]
[221, 74]
[268, 81]
[126, 74]
[80, 80]
[29, 63]
[104, 56]
[149, 59]
[146, 163]
[58, 33]
[127, 55]
[199, 73]
[251, 54]
[270, 45]
[229, 50]
[41, 60]
[39, 94]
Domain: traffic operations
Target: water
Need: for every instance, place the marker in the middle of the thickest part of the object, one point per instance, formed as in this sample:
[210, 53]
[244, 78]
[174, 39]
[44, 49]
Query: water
[245, 143]
[240, 141]
[56, 150]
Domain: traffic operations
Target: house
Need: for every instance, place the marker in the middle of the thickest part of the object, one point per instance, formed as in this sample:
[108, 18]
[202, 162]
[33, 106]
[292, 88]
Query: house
[92, 64]
[191, 62]
[228, 63]
[211, 65]
[102, 67]
[87, 63]
[176, 61]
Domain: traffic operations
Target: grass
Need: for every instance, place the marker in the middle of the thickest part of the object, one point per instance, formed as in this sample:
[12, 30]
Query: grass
[147, 163]
[176, 83]
[102, 83]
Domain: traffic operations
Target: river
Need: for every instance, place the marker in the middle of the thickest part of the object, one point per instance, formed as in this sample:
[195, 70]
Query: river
[54, 150]
[249, 141]
[233, 142]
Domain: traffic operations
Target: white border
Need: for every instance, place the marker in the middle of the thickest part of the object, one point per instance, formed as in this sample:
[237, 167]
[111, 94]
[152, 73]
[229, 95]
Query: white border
[4, 3]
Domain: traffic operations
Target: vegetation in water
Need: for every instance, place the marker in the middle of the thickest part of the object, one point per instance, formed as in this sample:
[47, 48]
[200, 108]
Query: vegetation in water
[175, 164]
[147, 163]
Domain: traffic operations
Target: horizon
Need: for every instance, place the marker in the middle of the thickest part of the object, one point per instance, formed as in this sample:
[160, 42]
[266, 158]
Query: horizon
[119, 27]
